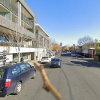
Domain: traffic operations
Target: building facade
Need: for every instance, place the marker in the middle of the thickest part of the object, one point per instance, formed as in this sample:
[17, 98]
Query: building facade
[17, 31]
[89, 48]
[42, 41]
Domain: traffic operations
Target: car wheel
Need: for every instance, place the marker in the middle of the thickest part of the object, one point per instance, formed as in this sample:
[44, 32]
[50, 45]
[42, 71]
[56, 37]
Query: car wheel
[18, 88]
[34, 75]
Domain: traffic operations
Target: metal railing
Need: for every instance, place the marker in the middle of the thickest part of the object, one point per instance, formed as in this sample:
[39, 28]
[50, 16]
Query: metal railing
[25, 19]
[10, 6]
[13, 44]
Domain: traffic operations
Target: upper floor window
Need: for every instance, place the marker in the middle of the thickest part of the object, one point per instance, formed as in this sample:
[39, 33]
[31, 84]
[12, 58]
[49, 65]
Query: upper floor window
[11, 40]
[36, 31]
[2, 39]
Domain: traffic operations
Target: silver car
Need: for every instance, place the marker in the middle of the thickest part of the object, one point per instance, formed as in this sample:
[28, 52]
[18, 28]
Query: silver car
[45, 59]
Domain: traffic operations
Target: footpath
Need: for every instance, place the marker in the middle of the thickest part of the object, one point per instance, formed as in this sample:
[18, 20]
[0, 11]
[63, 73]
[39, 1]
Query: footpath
[91, 59]
[31, 62]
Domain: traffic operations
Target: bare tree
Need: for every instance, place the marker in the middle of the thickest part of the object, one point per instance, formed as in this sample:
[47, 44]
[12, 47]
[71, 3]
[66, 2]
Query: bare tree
[16, 40]
[84, 40]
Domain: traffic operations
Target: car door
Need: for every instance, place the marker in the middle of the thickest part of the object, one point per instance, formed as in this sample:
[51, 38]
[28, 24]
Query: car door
[15, 76]
[31, 70]
[24, 72]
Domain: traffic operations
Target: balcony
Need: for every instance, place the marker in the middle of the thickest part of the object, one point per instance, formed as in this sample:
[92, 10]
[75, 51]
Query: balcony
[10, 6]
[13, 44]
[9, 25]
[25, 19]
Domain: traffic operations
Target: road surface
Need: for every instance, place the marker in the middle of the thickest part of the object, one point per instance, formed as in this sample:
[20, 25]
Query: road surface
[77, 79]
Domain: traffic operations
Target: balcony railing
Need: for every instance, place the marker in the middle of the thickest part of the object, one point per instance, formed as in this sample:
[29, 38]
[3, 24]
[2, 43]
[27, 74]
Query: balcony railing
[10, 6]
[12, 26]
[25, 19]
[13, 44]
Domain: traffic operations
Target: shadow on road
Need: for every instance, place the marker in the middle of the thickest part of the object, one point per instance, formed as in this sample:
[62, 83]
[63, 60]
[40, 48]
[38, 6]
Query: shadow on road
[65, 55]
[88, 63]
[46, 65]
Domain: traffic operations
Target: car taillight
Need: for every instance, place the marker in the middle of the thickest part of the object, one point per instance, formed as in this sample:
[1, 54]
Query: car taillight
[59, 63]
[7, 83]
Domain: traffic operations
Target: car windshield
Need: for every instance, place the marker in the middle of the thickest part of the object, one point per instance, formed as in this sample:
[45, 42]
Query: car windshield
[44, 57]
[2, 71]
[55, 60]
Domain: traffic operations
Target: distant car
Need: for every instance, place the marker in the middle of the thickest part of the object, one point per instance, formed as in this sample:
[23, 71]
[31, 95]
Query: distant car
[73, 54]
[13, 76]
[78, 55]
[45, 60]
[55, 62]
[68, 52]
[52, 56]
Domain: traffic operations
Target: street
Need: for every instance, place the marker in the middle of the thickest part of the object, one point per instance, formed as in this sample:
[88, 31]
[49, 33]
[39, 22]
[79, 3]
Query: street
[77, 79]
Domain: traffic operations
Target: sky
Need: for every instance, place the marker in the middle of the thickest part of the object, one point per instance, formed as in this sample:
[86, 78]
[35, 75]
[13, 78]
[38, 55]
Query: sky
[67, 20]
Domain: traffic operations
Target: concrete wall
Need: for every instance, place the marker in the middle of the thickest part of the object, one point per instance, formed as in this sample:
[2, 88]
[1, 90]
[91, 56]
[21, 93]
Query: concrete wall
[40, 52]
[14, 27]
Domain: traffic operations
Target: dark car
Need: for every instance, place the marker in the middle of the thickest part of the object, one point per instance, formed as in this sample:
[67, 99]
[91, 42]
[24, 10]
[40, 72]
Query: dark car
[13, 76]
[55, 62]
[78, 55]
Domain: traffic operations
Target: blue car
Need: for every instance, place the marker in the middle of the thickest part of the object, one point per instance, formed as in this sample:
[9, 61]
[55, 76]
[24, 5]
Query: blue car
[55, 62]
[13, 76]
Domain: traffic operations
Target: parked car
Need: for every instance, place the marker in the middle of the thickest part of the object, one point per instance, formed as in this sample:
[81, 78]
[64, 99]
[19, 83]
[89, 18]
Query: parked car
[52, 56]
[13, 76]
[78, 55]
[55, 62]
[73, 54]
[45, 59]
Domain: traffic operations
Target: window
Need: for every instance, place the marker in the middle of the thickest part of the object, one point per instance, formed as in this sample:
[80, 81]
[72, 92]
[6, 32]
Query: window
[23, 67]
[25, 56]
[36, 31]
[45, 57]
[55, 60]
[16, 70]
[28, 66]
[11, 40]
[2, 71]
[2, 39]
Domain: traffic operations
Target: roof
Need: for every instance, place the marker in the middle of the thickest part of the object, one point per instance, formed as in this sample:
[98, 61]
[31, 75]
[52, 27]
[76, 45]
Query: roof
[37, 25]
[27, 7]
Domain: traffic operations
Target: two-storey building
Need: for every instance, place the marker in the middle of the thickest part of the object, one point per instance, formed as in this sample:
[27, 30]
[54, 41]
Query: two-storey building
[42, 42]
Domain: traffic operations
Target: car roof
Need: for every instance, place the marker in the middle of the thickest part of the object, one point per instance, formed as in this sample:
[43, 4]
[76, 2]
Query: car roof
[11, 64]
[45, 57]
[56, 58]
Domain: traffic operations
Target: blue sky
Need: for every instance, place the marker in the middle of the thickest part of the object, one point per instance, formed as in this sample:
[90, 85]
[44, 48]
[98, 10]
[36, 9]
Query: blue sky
[67, 20]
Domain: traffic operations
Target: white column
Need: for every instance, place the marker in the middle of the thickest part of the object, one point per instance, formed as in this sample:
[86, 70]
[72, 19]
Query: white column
[11, 16]
[19, 13]
[34, 55]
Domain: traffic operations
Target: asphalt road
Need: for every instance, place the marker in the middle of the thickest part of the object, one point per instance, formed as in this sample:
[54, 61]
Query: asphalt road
[77, 79]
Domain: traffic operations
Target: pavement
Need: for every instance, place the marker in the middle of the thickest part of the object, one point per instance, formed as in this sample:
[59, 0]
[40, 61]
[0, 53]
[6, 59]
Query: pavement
[31, 62]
